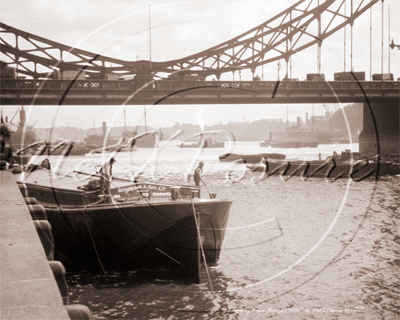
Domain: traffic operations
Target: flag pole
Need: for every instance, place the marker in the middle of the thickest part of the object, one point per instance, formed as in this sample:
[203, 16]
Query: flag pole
[150, 36]
[389, 39]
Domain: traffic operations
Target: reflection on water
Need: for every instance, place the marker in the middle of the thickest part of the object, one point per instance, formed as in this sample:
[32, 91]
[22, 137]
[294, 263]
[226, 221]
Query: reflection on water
[329, 248]
[149, 294]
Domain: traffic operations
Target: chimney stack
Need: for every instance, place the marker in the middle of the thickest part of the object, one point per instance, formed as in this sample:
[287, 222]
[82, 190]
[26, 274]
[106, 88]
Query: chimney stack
[22, 117]
[104, 129]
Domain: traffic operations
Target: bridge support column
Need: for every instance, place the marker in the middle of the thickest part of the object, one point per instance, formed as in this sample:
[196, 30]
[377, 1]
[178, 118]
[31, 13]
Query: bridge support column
[386, 115]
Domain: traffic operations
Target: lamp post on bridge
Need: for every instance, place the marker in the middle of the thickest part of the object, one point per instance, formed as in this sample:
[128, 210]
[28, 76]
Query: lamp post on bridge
[382, 40]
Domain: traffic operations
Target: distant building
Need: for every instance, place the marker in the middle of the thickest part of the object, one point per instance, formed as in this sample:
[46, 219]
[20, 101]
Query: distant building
[243, 131]
[353, 122]
[240, 130]
[264, 128]
[188, 128]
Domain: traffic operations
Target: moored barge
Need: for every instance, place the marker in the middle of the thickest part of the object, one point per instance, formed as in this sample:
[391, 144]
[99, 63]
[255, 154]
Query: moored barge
[141, 225]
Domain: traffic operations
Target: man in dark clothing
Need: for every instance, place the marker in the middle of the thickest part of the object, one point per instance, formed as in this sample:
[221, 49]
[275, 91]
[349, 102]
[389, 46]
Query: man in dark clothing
[106, 176]
[198, 174]
[9, 160]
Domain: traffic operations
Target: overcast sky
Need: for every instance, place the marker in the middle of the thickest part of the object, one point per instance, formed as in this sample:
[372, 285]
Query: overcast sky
[120, 29]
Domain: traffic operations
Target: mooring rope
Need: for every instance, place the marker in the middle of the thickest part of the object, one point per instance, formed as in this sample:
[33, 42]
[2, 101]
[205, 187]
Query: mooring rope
[203, 254]
[91, 237]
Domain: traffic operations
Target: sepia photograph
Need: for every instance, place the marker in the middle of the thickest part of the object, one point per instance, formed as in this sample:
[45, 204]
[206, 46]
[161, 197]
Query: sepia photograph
[199, 159]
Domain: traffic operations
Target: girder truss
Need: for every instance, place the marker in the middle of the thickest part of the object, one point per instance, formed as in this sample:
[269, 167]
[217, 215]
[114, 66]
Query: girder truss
[304, 24]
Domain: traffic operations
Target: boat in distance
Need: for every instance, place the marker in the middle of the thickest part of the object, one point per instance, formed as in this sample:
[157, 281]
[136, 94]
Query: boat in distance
[289, 144]
[208, 139]
[208, 143]
[250, 158]
[141, 225]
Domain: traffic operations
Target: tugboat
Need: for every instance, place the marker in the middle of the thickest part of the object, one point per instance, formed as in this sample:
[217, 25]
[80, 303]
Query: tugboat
[293, 137]
[95, 141]
[207, 140]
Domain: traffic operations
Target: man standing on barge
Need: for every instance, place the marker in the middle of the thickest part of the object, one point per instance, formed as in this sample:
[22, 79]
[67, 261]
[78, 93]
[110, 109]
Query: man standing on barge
[106, 176]
[198, 175]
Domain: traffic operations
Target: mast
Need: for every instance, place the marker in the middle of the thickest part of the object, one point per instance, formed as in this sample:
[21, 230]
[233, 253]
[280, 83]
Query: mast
[125, 118]
[313, 118]
[287, 117]
[145, 119]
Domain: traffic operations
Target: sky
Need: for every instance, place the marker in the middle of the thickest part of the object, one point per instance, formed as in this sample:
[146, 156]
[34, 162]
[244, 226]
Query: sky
[120, 29]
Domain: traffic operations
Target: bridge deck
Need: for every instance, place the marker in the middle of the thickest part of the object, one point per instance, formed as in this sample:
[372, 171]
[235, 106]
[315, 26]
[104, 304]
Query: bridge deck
[90, 92]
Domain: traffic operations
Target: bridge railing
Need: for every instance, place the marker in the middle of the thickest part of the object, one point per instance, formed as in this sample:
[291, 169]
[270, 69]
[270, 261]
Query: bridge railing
[19, 84]
[64, 84]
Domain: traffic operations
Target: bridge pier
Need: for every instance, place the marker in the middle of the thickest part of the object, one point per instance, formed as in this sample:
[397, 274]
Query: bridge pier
[386, 115]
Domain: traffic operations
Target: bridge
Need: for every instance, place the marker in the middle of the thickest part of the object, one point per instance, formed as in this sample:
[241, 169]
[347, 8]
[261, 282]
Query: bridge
[83, 92]
[50, 73]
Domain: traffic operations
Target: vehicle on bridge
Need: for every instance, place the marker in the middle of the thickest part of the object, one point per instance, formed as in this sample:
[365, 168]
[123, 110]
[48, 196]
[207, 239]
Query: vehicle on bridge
[349, 76]
[383, 77]
[315, 77]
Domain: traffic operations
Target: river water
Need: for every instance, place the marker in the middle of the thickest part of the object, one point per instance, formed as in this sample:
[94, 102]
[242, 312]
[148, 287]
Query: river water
[293, 250]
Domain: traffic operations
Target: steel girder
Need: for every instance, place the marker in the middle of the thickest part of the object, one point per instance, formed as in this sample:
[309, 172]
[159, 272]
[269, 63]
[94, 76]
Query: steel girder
[304, 24]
